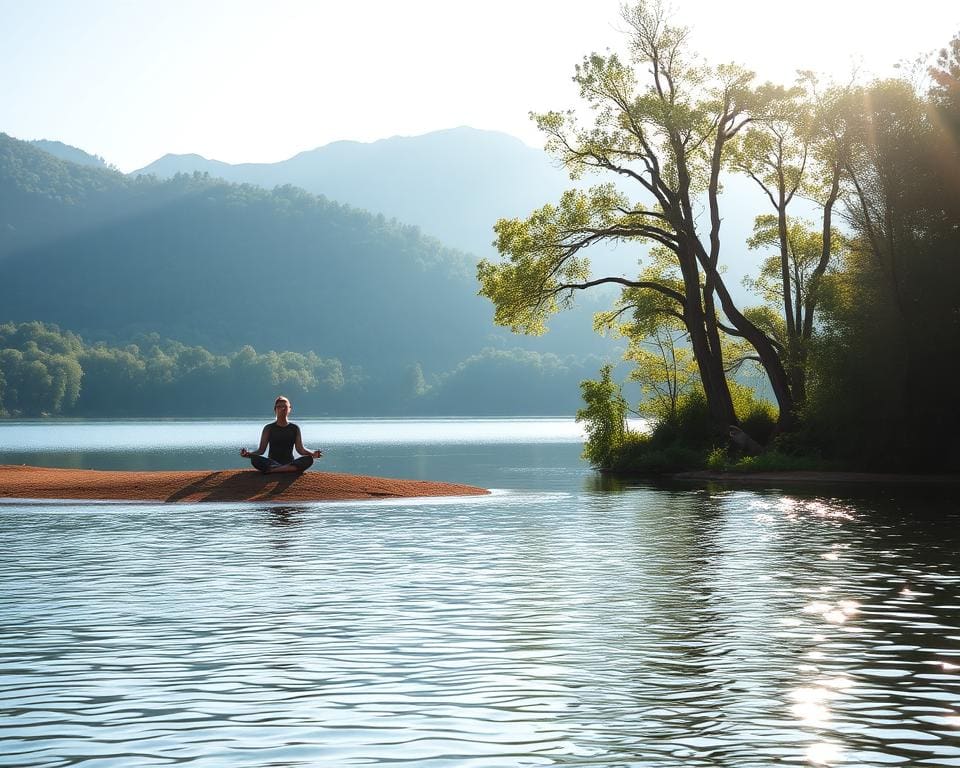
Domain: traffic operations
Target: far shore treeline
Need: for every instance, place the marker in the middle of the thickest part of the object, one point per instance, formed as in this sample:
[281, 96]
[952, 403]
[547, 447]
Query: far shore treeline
[48, 372]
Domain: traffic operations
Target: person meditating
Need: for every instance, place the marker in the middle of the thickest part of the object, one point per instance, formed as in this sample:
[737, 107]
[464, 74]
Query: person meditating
[282, 437]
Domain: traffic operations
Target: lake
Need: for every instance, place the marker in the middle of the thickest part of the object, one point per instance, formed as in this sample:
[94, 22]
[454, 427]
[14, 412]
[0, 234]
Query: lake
[564, 620]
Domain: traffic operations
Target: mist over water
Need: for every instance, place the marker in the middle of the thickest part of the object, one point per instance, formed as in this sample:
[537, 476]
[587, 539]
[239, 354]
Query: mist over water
[563, 620]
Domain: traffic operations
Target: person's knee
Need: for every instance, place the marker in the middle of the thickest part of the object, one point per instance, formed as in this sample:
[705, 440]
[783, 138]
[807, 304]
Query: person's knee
[304, 462]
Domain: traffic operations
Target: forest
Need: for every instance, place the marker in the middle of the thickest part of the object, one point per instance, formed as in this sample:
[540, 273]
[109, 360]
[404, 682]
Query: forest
[856, 325]
[45, 371]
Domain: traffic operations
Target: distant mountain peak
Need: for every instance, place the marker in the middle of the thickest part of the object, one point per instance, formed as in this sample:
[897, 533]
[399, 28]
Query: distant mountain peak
[187, 156]
[171, 164]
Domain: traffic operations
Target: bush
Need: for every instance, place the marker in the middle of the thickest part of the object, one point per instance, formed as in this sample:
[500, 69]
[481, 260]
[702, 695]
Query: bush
[758, 417]
[640, 455]
[604, 418]
[691, 427]
[717, 459]
[760, 422]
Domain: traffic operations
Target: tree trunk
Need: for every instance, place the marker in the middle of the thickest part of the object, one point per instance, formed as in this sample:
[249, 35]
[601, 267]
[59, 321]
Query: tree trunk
[769, 359]
[708, 357]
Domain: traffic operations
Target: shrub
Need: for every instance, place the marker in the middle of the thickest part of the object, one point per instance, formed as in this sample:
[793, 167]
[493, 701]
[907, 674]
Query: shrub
[604, 418]
[758, 417]
[760, 422]
[640, 455]
[691, 426]
[717, 459]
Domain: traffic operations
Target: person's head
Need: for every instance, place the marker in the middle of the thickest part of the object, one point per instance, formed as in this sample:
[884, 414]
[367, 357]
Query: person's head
[282, 406]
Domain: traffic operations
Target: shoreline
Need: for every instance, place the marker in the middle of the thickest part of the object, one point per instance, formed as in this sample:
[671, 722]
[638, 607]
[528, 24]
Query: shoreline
[26, 482]
[813, 477]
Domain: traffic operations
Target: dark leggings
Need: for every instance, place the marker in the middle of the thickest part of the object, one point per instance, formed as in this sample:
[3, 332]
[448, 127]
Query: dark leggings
[266, 465]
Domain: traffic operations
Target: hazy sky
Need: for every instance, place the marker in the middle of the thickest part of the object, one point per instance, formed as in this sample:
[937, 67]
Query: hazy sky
[258, 80]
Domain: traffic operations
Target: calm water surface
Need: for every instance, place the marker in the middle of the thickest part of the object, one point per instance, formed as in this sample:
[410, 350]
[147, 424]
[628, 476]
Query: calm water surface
[562, 621]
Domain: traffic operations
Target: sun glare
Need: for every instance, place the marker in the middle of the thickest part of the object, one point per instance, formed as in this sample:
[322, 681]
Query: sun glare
[833, 39]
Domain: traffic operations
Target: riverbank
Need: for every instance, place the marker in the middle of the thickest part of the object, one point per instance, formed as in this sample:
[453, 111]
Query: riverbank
[25, 482]
[816, 477]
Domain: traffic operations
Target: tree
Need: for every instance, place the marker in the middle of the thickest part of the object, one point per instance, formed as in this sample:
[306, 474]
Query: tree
[604, 418]
[665, 370]
[658, 343]
[39, 372]
[663, 124]
[945, 73]
[887, 375]
[786, 152]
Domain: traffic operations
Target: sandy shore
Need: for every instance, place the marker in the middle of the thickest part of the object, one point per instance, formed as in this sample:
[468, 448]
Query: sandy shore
[23, 482]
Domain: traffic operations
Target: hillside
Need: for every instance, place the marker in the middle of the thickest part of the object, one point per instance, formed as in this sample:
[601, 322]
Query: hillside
[222, 265]
[66, 152]
[453, 184]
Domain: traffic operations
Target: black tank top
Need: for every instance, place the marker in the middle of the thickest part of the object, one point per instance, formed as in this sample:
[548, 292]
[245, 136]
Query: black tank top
[281, 440]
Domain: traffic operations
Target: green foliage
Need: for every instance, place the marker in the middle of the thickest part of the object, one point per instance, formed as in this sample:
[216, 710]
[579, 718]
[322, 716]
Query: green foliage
[760, 422]
[534, 282]
[685, 441]
[604, 418]
[39, 371]
[643, 455]
[719, 460]
[44, 371]
[804, 249]
[758, 417]
[658, 118]
[664, 365]
[675, 445]
[666, 373]
[884, 389]
[692, 426]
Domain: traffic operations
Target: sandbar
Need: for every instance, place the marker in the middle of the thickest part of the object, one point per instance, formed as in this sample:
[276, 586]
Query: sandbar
[25, 482]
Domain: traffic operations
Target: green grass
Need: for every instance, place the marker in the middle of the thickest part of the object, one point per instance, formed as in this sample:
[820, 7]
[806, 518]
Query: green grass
[769, 461]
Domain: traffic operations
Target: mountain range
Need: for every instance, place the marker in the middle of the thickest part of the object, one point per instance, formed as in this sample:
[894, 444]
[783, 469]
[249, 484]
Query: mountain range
[453, 184]
[205, 261]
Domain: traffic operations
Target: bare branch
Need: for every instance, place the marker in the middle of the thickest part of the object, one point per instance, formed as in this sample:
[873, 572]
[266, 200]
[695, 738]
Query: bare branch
[668, 292]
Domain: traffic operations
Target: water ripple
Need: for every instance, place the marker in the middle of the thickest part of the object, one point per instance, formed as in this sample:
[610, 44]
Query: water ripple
[638, 628]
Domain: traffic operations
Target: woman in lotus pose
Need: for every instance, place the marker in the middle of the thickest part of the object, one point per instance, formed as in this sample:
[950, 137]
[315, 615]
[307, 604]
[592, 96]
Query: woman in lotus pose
[282, 437]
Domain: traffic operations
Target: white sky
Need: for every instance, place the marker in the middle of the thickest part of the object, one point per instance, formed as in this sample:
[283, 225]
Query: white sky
[259, 80]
